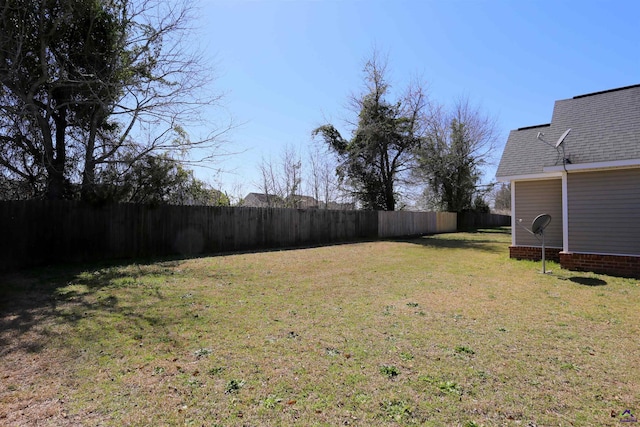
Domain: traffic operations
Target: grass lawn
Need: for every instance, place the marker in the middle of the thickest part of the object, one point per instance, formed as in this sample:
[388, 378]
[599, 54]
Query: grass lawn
[439, 330]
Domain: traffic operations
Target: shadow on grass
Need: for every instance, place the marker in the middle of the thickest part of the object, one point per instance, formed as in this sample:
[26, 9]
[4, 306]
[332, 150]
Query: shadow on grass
[587, 281]
[43, 296]
[455, 242]
[497, 230]
[32, 298]
[31, 301]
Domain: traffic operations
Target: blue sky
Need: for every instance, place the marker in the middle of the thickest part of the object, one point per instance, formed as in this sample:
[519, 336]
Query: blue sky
[289, 66]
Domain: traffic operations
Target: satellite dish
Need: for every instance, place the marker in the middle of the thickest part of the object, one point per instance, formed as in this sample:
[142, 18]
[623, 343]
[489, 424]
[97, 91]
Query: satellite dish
[562, 137]
[540, 223]
[537, 227]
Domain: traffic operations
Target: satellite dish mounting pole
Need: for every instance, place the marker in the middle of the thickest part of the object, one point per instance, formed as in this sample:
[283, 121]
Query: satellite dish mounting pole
[544, 271]
[537, 227]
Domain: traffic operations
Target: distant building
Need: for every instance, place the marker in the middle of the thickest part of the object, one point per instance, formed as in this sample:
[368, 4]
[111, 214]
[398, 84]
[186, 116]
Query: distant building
[297, 201]
[261, 200]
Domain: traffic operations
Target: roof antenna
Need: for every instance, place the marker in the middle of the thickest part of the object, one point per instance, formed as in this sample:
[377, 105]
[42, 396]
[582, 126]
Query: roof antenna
[558, 144]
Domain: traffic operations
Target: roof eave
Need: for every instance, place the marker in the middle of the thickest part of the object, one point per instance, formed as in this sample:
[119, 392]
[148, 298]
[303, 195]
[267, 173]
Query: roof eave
[529, 177]
[584, 167]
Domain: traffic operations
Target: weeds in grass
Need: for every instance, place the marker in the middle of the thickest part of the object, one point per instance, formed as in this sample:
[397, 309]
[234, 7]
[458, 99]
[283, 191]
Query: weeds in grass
[462, 349]
[271, 401]
[389, 371]
[569, 367]
[397, 410]
[233, 386]
[450, 387]
[427, 379]
[216, 370]
[406, 356]
[203, 352]
[332, 351]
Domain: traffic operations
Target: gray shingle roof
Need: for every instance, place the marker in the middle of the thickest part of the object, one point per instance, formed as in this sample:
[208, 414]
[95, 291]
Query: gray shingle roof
[605, 126]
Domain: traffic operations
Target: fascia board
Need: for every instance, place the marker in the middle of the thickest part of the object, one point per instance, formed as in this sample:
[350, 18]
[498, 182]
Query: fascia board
[616, 164]
[531, 177]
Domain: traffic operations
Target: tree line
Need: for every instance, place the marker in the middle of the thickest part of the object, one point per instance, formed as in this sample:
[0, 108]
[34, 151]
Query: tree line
[95, 97]
[410, 142]
[396, 146]
[95, 93]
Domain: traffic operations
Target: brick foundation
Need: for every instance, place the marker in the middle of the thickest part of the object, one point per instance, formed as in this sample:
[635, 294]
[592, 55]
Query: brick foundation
[614, 265]
[534, 254]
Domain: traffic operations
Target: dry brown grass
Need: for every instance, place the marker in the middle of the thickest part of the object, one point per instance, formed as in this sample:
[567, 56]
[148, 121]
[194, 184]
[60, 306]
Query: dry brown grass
[442, 330]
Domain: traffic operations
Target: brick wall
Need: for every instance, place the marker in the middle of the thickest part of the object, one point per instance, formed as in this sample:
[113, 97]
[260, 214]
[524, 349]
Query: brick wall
[615, 265]
[626, 266]
[534, 254]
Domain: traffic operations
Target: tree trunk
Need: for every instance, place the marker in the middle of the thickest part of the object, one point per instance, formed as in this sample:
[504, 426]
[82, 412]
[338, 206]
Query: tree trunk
[88, 190]
[55, 163]
[55, 185]
[390, 199]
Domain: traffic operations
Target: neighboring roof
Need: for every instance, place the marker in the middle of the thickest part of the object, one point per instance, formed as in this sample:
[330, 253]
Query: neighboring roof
[259, 196]
[257, 200]
[260, 199]
[605, 127]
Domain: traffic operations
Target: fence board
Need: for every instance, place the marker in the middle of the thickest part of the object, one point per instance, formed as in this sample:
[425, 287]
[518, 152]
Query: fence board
[474, 220]
[40, 232]
[405, 223]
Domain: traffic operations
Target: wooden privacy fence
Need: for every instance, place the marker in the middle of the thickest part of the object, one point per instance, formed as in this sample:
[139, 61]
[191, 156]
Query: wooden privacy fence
[475, 220]
[40, 232]
[404, 223]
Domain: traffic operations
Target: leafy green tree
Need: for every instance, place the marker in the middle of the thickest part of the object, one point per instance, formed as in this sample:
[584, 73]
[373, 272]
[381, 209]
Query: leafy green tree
[380, 150]
[480, 204]
[86, 83]
[456, 146]
[157, 180]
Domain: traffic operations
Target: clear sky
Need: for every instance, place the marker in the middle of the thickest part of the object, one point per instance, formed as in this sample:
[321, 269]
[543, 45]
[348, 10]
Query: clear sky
[289, 66]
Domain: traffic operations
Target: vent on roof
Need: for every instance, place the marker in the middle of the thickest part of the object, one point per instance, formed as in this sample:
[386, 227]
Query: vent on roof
[606, 91]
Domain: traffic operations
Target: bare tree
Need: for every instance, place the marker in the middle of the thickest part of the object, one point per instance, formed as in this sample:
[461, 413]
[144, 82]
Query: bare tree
[322, 180]
[269, 183]
[291, 164]
[457, 145]
[502, 198]
[281, 179]
[89, 85]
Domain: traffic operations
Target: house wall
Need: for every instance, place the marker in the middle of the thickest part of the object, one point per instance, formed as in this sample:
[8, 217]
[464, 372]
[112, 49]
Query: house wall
[533, 198]
[604, 212]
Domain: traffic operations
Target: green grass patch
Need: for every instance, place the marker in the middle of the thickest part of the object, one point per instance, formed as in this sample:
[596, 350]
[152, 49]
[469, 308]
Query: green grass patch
[439, 330]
